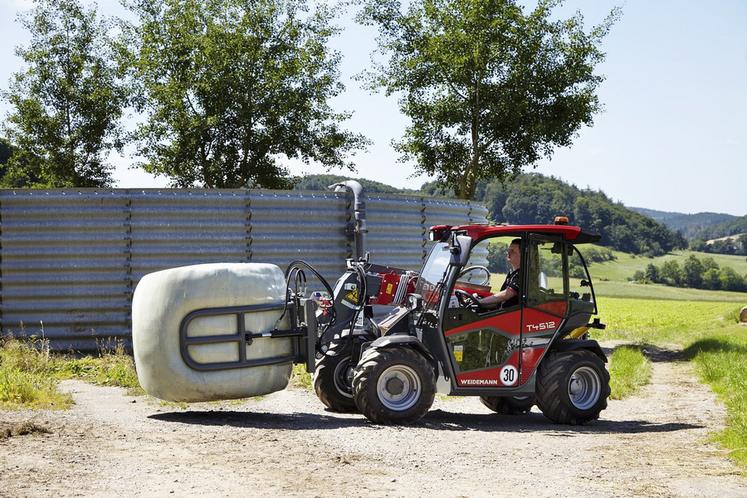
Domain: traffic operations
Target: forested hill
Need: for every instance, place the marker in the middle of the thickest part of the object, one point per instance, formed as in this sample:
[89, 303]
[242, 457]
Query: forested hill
[535, 198]
[692, 226]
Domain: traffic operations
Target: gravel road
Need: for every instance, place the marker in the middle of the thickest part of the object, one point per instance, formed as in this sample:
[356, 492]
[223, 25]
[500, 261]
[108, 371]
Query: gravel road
[285, 444]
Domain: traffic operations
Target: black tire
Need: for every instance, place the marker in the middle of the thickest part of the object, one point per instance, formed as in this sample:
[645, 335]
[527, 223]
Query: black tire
[572, 387]
[394, 385]
[333, 378]
[512, 405]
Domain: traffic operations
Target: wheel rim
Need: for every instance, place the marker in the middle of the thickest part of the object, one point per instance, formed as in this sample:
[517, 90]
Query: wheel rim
[584, 388]
[398, 388]
[343, 377]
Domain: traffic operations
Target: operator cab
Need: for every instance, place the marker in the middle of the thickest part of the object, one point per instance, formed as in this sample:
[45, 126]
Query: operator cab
[498, 348]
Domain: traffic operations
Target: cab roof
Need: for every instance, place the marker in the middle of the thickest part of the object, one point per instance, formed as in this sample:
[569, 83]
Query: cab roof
[478, 232]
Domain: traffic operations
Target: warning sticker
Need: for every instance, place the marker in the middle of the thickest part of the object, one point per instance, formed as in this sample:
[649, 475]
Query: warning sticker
[458, 353]
[352, 296]
[389, 288]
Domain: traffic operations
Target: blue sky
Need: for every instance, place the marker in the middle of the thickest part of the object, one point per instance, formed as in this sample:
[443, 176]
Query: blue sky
[673, 135]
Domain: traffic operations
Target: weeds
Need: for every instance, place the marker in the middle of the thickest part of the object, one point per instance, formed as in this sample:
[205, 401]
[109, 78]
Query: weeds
[300, 377]
[629, 371]
[29, 373]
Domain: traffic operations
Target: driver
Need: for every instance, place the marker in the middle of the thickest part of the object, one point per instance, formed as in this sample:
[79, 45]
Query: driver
[509, 294]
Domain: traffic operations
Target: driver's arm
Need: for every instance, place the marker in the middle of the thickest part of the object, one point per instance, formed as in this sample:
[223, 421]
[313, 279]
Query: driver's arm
[498, 298]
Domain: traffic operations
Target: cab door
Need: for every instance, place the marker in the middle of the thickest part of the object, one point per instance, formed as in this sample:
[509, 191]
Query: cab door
[545, 297]
[484, 346]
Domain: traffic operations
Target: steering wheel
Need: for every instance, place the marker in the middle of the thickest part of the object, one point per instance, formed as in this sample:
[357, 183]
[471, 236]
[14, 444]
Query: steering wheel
[475, 275]
[465, 299]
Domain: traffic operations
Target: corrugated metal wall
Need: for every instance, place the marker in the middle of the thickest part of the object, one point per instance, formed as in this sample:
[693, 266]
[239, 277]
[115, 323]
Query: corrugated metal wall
[70, 259]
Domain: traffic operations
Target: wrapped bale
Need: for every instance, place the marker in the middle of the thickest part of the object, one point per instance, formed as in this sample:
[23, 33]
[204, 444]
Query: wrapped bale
[189, 339]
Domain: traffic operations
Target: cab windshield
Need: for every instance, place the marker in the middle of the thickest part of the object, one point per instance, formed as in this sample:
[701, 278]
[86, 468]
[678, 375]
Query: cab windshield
[431, 281]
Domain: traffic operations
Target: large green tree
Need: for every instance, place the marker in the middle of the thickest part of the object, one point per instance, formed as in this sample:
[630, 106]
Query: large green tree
[489, 89]
[231, 87]
[66, 102]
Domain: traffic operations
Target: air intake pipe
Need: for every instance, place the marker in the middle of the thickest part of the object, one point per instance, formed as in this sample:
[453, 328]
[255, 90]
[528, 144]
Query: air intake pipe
[359, 209]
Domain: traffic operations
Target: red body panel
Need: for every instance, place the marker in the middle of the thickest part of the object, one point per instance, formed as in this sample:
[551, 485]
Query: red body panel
[507, 322]
[490, 377]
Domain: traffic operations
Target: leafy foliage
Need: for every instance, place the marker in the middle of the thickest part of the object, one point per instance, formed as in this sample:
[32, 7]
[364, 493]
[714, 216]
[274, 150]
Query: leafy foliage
[535, 198]
[695, 273]
[734, 226]
[66, 103]
[726, 245]
[228, 86]
[489, 89]
[321, 182]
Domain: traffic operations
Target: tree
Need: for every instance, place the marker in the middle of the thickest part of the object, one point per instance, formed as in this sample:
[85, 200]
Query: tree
[652, 273]
[692, 270]
[488, 88]
[67, 101]
[228, 87]
[671, 272]
[712, 279]
[730, 279]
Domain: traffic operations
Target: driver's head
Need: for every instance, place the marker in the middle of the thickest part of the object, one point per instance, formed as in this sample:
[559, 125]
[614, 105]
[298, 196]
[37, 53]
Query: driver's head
[514, 253]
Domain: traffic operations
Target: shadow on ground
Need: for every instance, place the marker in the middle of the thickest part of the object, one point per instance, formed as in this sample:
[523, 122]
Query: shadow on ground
[434, 420]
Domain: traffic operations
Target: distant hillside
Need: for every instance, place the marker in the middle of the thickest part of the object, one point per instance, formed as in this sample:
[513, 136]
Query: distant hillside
[535, 198]
[734, 226]
[321, 182]
[691, 226]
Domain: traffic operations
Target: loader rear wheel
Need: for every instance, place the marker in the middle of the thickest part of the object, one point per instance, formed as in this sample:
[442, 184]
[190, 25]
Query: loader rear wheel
[572, 387]
[333, 378]
[513, 405]
[394, 385]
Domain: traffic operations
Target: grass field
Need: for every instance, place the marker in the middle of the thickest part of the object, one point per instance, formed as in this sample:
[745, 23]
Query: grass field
[710, 336]
[626, 265]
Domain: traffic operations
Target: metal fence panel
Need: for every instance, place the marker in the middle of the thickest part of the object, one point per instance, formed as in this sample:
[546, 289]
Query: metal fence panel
[292, 225]
[70, 259]
[64, 273]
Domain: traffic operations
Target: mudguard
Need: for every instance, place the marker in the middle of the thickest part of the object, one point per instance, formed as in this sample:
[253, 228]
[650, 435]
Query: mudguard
[575, 345]
[395, 340]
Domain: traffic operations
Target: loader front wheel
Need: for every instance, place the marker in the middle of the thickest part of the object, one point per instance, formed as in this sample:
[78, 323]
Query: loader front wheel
[572, 387]
[333, 378]
[394, 385]
[511, 405]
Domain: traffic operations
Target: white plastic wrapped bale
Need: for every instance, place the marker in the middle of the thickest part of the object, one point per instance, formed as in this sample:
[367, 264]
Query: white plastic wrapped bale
[161, 302]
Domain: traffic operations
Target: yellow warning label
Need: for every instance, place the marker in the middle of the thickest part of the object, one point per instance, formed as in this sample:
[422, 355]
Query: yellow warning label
[458, 353]
[389, 288]
[352, 296]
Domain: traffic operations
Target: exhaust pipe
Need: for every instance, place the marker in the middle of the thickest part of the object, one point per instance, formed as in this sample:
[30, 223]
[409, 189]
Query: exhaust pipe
[359, 208]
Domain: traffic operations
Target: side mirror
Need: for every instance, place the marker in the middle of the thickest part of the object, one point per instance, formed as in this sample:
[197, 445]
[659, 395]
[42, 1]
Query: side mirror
[460, 246]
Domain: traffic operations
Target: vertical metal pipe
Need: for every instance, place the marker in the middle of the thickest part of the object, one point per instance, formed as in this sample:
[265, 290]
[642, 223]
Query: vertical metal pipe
[359, 210]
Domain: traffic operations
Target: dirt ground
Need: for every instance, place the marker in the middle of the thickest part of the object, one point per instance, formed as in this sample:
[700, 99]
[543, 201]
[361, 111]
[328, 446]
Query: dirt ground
[286, 444]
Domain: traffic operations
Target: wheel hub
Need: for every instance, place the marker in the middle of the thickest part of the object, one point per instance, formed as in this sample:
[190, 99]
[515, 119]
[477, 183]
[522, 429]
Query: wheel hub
[398, 388]
[395, 386]
[584, 388]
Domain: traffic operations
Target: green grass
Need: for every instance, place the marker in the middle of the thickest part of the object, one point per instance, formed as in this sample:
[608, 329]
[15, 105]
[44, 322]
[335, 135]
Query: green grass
[659, 291]
[26, 379]
[29, 374]
[300, 377]
[711, 338]
[629, 371]
[626, 264]
[721, 361]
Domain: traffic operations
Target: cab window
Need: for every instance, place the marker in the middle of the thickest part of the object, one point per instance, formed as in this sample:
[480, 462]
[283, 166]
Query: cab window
[547, 260]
